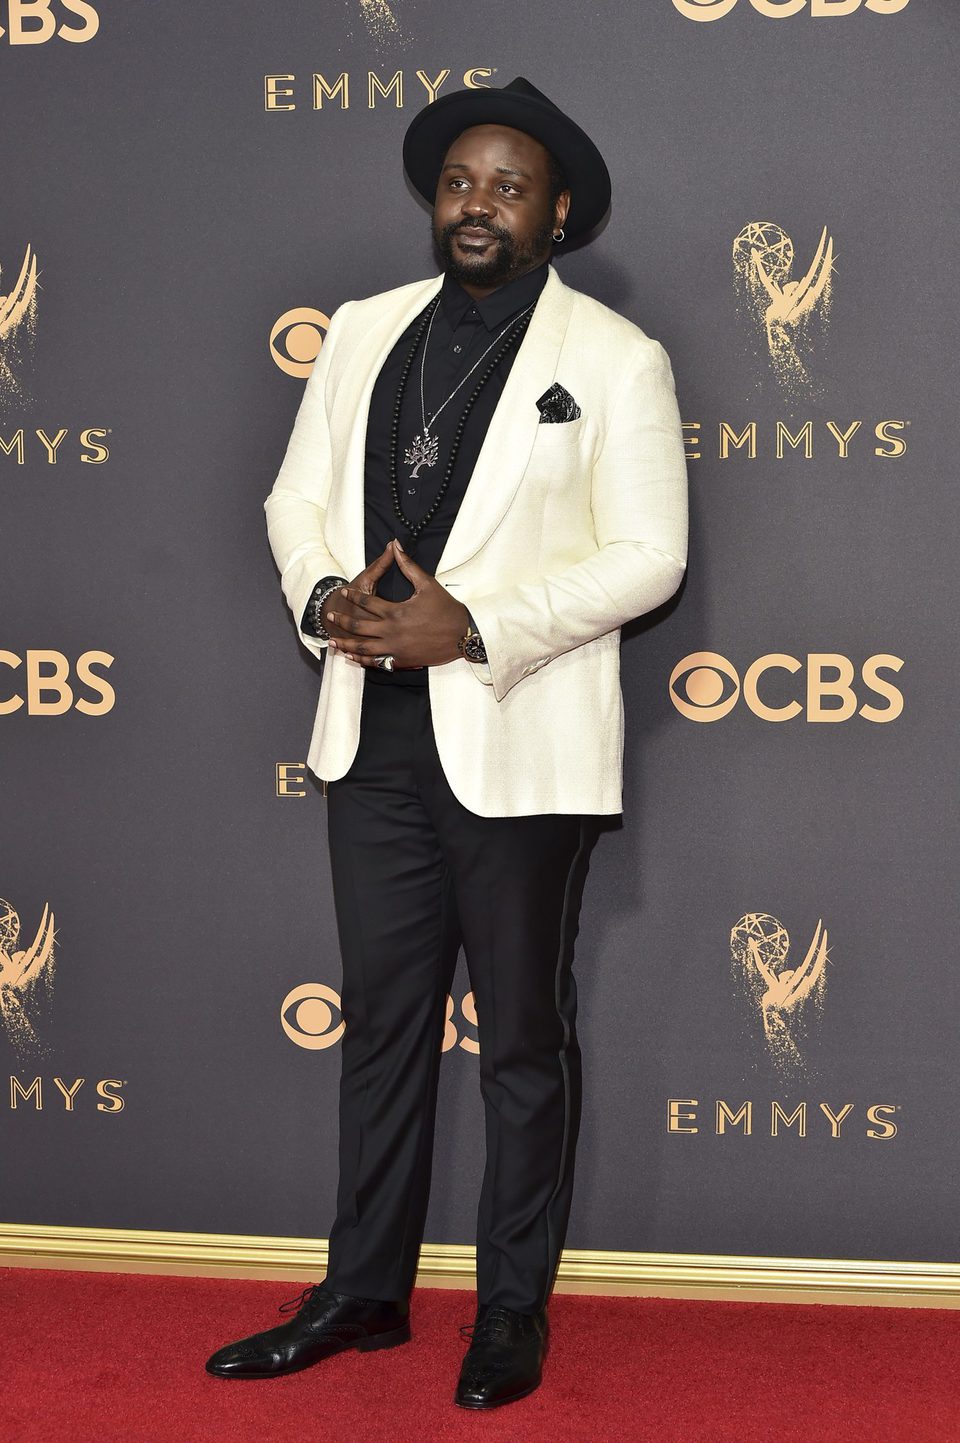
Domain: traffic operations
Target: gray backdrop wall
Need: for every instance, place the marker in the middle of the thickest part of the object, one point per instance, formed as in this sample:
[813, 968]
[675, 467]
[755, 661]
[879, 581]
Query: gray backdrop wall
[775, 919]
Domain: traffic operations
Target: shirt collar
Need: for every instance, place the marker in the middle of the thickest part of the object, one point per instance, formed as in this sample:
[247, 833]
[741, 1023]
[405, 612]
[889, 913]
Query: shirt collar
[497, 308]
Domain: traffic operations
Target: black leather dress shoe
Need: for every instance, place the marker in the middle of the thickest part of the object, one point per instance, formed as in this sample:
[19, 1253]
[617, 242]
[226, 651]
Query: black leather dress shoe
[326, 1323]
[505, 1358]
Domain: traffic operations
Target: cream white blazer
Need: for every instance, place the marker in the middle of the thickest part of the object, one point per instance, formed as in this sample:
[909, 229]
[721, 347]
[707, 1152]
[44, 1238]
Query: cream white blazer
[566, 531]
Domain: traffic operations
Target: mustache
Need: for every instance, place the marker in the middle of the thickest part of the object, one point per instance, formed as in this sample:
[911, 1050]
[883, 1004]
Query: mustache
[458, 225]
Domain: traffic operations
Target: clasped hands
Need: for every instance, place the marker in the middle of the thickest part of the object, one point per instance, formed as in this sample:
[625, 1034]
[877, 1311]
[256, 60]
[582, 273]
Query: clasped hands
[421, 631]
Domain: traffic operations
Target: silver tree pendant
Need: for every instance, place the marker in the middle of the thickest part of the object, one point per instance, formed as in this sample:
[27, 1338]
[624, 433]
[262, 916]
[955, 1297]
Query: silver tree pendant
[425, 451]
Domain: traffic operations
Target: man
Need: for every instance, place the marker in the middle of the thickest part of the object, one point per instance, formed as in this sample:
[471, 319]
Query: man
[496, 460]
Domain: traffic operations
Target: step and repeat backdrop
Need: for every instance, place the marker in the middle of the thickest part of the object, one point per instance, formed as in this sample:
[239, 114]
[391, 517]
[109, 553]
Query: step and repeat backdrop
[767, 957]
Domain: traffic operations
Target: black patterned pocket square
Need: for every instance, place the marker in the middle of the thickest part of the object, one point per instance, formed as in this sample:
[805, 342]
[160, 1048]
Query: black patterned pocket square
[557, 404]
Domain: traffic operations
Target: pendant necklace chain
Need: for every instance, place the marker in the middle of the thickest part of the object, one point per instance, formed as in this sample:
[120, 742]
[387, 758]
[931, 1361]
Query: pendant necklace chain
[425, 450]
[414, 456]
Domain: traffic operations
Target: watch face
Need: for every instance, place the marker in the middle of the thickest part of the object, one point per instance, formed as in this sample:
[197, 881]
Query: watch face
[473, 648]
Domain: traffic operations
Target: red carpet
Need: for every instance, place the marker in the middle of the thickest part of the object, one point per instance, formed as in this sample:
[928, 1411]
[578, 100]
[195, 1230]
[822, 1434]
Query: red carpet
[110, 1358]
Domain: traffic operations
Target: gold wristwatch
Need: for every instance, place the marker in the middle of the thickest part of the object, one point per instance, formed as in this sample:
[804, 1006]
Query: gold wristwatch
[471, 645]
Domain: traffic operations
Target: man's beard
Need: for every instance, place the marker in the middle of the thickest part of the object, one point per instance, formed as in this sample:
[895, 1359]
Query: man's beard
[510, 258]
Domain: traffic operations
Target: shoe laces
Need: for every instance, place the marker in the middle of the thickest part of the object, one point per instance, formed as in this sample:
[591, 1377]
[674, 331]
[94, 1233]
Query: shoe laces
[495, 1323]
[293, 1305]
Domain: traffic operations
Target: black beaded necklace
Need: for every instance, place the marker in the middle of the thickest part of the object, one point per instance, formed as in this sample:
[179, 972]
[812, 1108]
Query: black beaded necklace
[416, 527]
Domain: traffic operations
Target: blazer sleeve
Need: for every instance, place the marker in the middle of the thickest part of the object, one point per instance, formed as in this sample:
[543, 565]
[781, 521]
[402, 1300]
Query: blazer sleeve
[297, 505]
[638, 498]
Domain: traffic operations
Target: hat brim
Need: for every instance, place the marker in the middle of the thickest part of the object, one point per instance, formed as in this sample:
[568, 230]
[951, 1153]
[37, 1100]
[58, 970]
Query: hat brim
[434, 129]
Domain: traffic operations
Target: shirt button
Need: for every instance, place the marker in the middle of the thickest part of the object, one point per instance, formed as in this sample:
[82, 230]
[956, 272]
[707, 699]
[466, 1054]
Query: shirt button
[411, 490]
[458, 349]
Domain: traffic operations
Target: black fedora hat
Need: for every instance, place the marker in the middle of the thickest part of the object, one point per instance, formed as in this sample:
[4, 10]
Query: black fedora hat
[523, 107]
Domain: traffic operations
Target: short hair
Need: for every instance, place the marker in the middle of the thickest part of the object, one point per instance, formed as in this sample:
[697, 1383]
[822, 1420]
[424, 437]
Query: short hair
[556, 179]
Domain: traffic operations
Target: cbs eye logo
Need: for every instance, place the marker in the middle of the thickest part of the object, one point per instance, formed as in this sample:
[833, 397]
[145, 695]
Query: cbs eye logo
[296, 339]
[307, 1016]
[783, 9]
[704, 687]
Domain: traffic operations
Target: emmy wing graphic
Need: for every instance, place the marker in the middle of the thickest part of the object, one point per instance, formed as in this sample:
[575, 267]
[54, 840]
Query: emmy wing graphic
[18, 313]
[380, 21]
[760, 950]
[21, 972]
[762, 260]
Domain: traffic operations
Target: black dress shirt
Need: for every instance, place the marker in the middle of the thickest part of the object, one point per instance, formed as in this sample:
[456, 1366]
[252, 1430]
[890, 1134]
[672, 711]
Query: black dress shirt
[462, 330]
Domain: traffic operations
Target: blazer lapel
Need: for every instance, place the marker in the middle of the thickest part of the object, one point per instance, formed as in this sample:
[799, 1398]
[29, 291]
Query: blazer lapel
[348, 428]
[506, 447]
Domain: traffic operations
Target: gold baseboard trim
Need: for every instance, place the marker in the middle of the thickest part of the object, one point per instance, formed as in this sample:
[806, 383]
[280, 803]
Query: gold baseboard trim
[664, 1275]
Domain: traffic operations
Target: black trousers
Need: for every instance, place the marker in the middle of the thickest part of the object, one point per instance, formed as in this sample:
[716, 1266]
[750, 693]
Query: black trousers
[415, 874]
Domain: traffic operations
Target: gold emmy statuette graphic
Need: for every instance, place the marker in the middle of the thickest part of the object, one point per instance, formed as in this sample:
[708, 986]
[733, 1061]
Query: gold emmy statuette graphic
[382, 24]
[784, 308]
[21, 972]
[760, 951]
[18, 313]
